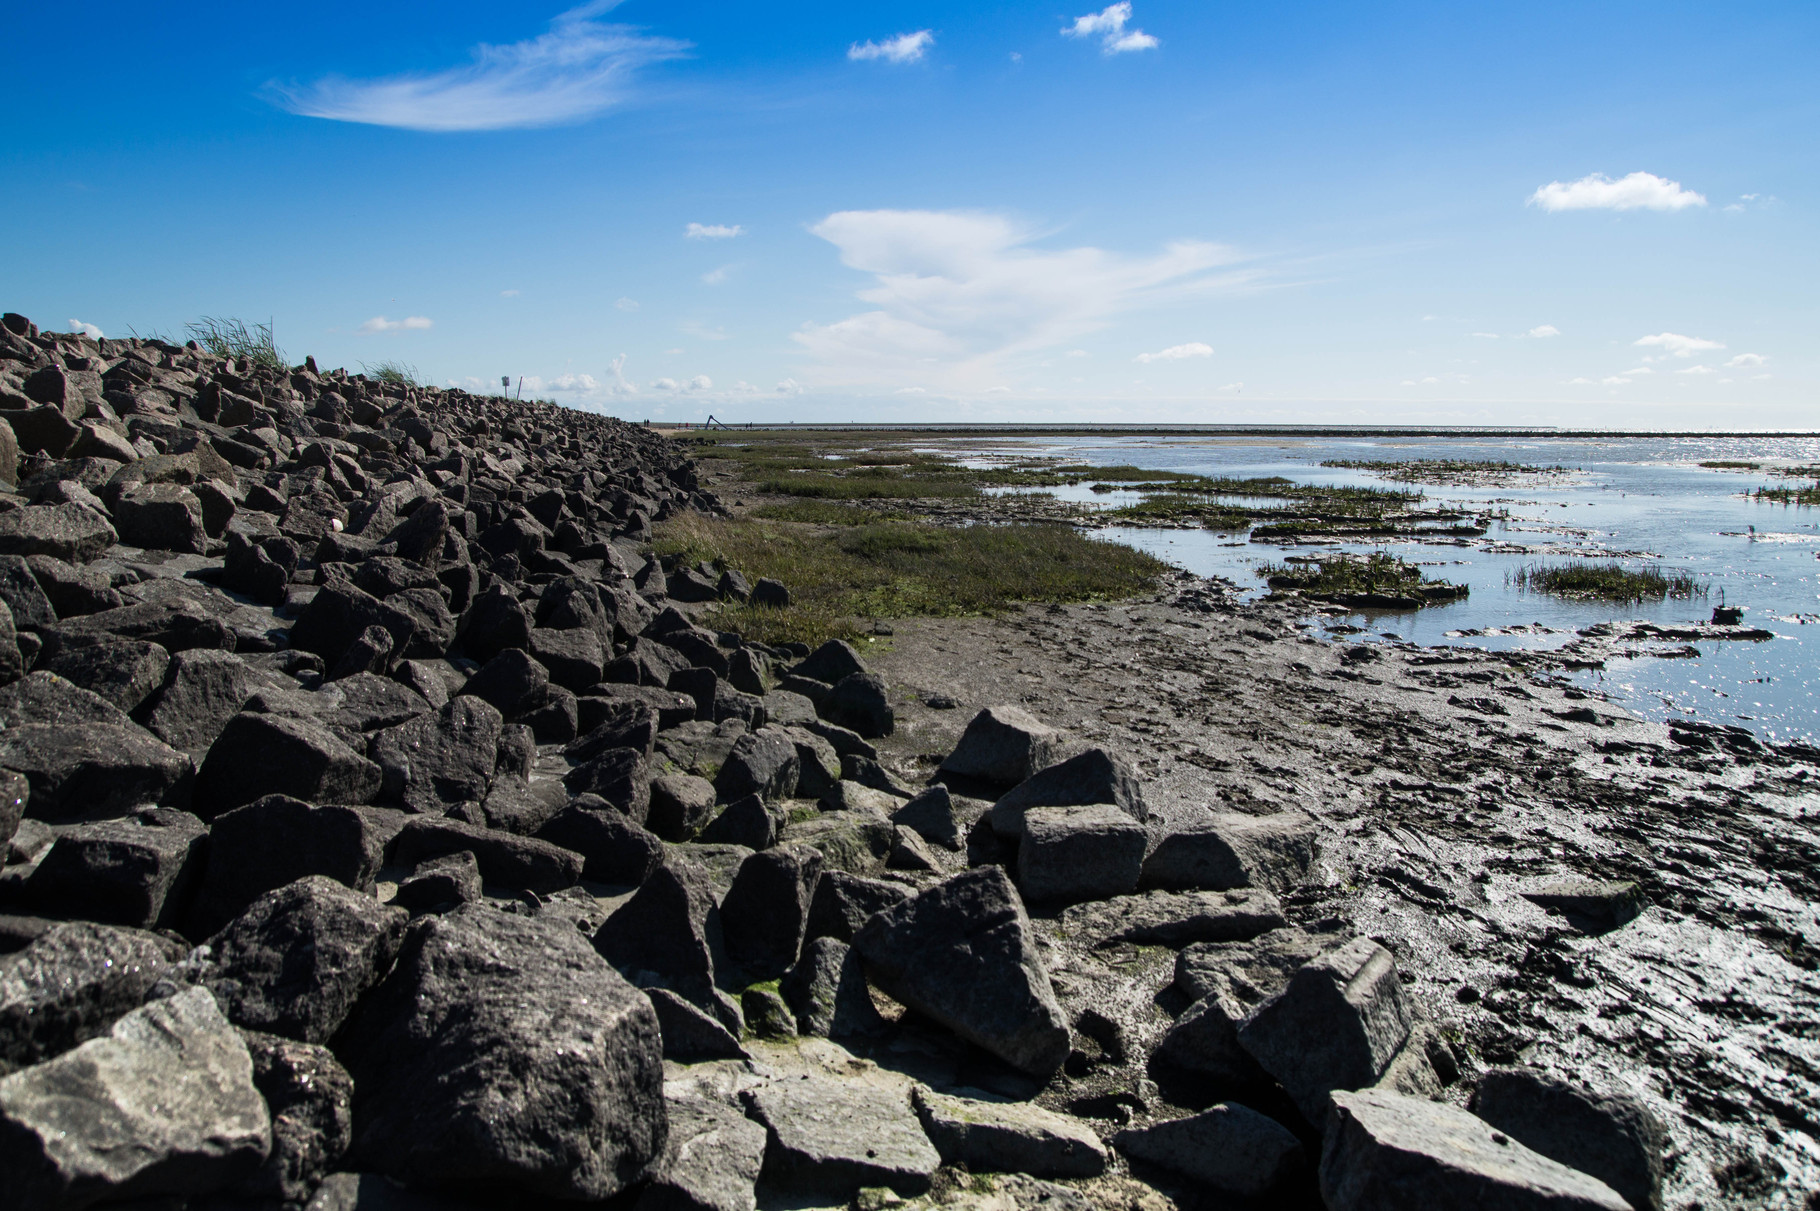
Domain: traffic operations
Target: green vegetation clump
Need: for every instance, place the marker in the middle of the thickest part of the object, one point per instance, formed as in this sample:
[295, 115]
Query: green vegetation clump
[824, 513]
[238, 339]
[1442, 470]
[393, 372]
[897, 569]
[1809, 495]
[1377, 579]
[1605, 581]
[1729, 464]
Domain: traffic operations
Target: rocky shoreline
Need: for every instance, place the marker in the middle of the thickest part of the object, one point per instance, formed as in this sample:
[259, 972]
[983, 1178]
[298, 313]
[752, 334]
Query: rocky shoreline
[385, 831]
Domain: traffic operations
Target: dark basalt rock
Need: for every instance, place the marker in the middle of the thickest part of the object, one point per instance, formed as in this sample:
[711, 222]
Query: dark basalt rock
[557, 1095]
[258, 755]
[72, 983]
[277, 840]
[90, 770]
[136, 871]
[505, 858]
[311, 1099]
[433, 761]
[613, 846]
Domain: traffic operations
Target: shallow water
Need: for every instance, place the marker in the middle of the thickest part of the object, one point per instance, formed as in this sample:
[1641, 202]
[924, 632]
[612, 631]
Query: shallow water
[1637, 499]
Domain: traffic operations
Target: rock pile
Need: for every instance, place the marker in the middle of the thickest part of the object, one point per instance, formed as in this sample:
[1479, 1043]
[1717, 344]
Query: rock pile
[378, 811]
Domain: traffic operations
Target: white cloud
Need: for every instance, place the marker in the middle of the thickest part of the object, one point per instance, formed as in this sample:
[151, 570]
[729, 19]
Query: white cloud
[663, 384]
[1697, 370]
[1616, 380]
[911, 391]
[905, 48]
[1490, 336]
[1638, 191]
[712, 231]
[955, 293]
[1233, 388]
[580, 68]
[789, 386]
[86, 329]
[1109, 25]
[1077, 353]
[695, 329]
[627, 304]
[1176, 353]
[620, 384]
[410, 323]
[715, 277]
[701, 382]
[1746, 360]
[508, 294]
[1676, 345]
[573, 382]
[1544, 330]
[745, 388]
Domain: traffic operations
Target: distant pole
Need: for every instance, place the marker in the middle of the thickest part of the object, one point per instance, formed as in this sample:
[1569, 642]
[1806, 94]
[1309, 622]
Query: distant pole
[505, 384]
[521, 387]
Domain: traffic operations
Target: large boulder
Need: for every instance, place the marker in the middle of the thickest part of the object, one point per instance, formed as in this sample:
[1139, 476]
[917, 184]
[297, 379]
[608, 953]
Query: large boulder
[1385, 1151]
[258, 755]
[339, 615]
[1095, 776]
[713, 1159]
[135, 871]
[1226, 850]
[90, 770]
[72, 533]
[164, 1104]
[311, 1100]
[1010, 1137]
[1611, 1136]
[124, 671]
[431, 762]
[203, 689]
[859, 702]
[762, 763]
[963, 953]
[72, 983]
[505, 858]
[766, 912]
[1229, 1148]
[1069, 854]
[668, 934]
[620, 776]
[296, 961]
[833, 661]
[831, 1138]
[161, 516]
[614, 848]
[1337, 1024]
[1176, 918]
[277, 840]
[844, 902]
[827, 992]
[1004, 745]
[503, 1052]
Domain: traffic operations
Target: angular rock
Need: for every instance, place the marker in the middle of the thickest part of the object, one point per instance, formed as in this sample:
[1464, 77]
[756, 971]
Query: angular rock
[963, 953]
[1009, 1137]
[771, 593]
[573, 657]
[72, 984]
[1383, 1150]
[512, 682]
[746, 822]
[371, 652]
[175, 623]
[23, 595]
[310, 1097]
[618, 775]
[1230, 1148]
[668, 934]
[765, 1013]
[613, 847]
[125, 672]
[833, 661]
[277, 840]
[827, 993]
[856, 842]
[1205, 1040]
[258, 755]
[766, 912]
[1230, 850]
[172, 1078]
[202, 690]
[504, 858]
[818, 766]
[1253, 970]
[91, 770]
[72, 533]
[762, 763]
[831, 1137]
[692, 1034]
[1004, 745]
[844, 902]
[74, 591]
[558, 1095]
[618, 725]
[712, 1161]
[493, 622]
[48, 699]
[911, 853]
[859, 702]
[1095, 776]
[340, 614]
[135, 871]
[680, 805]
[300, 957]
[1070, 854]
[1610, 1136]
[1176, 919]
[1593, 906]
[932, 816]
[432, 761]
[1338, 1024]
[438, 884]
[162, 517]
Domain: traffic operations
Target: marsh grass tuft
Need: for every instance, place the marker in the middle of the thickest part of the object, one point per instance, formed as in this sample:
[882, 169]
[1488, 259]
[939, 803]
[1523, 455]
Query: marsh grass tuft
[896, 569]
[393, 372]
[1808, 495]
[1606, 581]
[1379, 574]
[236, 338]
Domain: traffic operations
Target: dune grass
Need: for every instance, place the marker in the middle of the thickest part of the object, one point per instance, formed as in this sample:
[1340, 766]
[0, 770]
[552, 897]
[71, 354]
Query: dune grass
[1605, 581]
[890, 568]
[227, 337]
[393, 372]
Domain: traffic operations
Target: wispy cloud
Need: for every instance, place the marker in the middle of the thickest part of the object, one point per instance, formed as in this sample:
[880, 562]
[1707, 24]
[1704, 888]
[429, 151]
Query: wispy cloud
[1675, 345]
[508, 294]
[86, 329]
[1746, 361]
[955, 294]
[712, 231]
[627, 304]
[410, 323]
[1697, 370]
[1176, 353]
[715, 277]
[1638, 191]
[1108, 25]
[580, 68]
[1543, 330]
[905, 48]
[700, 382]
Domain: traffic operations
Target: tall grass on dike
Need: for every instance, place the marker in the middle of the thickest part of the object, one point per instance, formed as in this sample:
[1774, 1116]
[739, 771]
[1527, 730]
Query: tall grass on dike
[227, 337]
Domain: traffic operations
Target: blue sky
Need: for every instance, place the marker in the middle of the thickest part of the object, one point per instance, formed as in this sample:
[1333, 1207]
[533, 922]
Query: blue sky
[1199, 212]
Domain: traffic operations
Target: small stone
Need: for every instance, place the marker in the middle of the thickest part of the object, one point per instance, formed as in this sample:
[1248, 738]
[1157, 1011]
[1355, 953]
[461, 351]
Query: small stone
[1009, 1137]
[831, 1138]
